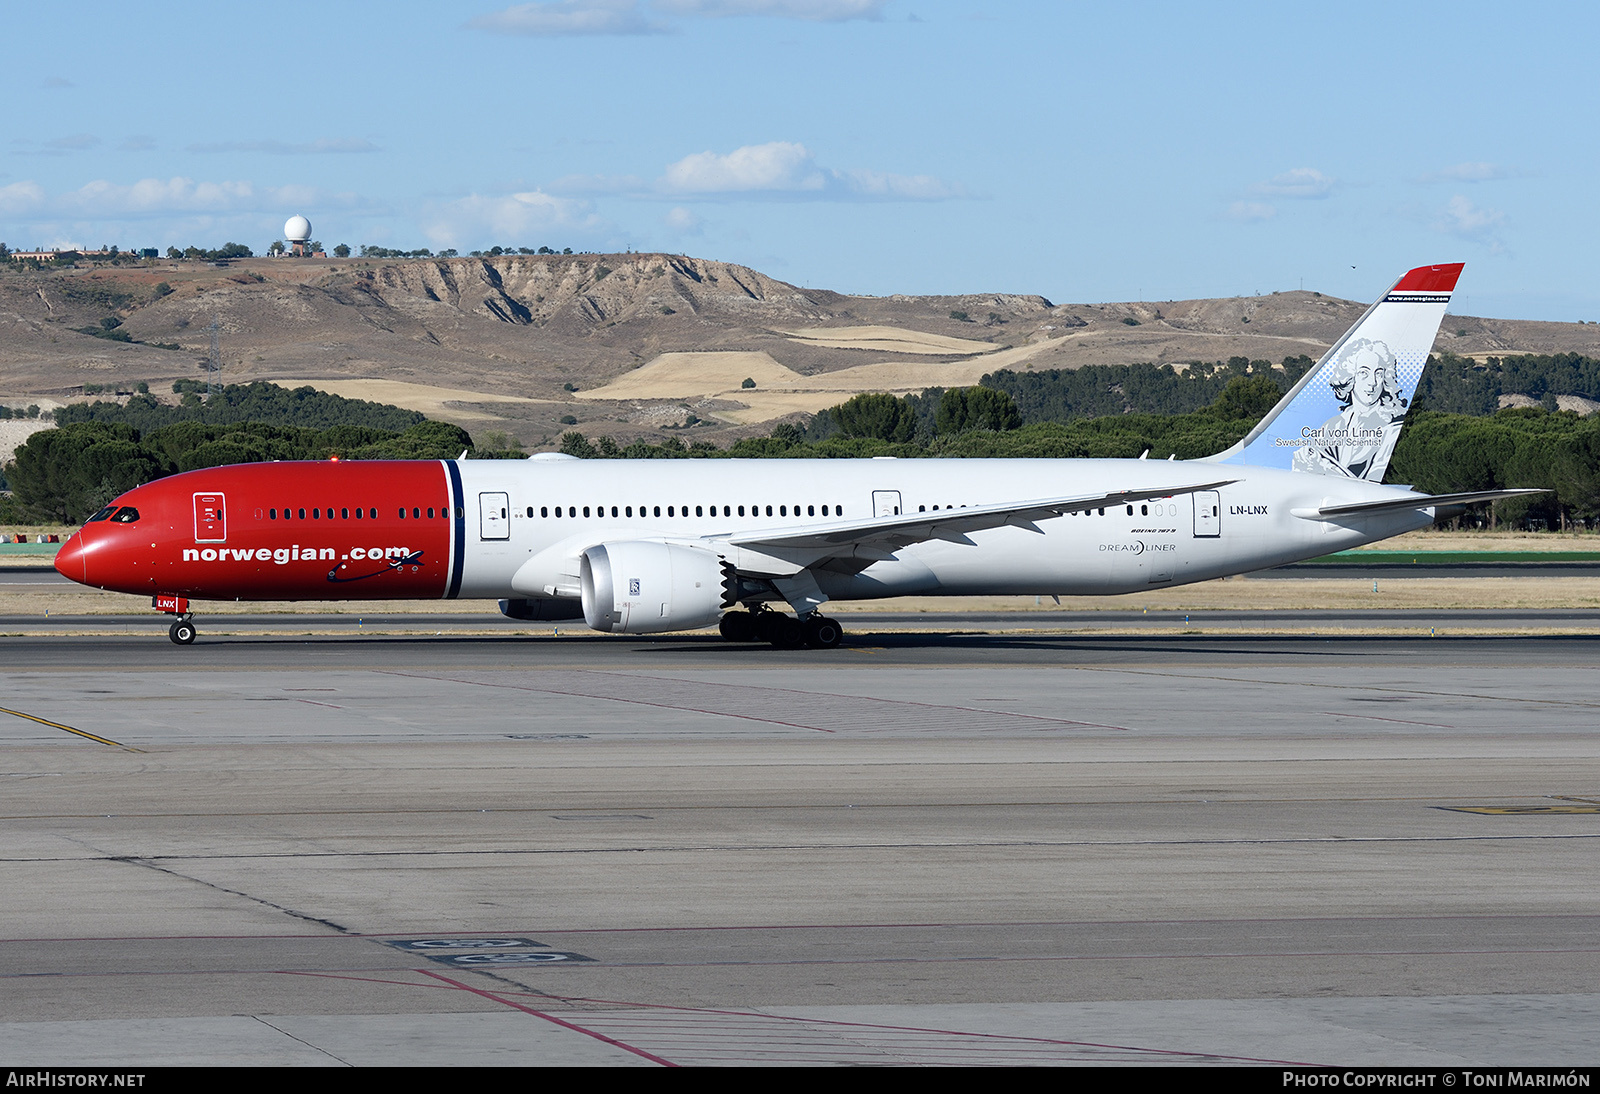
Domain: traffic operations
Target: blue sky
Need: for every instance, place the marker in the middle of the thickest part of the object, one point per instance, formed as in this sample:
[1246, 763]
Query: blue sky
[1085, 152]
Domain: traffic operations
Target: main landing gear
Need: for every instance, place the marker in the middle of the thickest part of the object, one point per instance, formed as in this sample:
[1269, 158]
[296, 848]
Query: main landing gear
[784, 631]
[182, 631]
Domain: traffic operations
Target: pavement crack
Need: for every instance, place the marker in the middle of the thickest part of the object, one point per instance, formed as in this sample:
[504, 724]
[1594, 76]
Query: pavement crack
[134, 860]
[303, 1041]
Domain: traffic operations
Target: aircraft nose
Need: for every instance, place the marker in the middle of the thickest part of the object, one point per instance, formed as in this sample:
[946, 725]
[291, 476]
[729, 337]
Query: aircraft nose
[72, 560]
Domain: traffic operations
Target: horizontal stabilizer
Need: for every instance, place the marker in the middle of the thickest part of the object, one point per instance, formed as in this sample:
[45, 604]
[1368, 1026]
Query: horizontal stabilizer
[1415, 501]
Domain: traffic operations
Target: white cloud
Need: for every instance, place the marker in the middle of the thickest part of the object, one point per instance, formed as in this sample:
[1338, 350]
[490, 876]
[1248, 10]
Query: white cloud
[102, 200]
[325, 146]
[21, 197]
[1301, 182]
[684, 221]
[510, 218]
[818, 11]
[1469, 172]
[570, 17]
[1468, 221]
[784, 169]
[554, 18]
[778, 165]
[1250, 211]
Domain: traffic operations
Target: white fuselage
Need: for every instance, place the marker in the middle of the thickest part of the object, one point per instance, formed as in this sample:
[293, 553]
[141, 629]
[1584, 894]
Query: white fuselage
[1246, 525]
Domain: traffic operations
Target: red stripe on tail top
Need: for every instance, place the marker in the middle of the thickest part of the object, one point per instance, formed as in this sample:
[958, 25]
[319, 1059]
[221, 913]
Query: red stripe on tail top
[1430, 279]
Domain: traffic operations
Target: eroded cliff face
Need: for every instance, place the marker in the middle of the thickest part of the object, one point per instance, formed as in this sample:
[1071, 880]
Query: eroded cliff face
[576, 294]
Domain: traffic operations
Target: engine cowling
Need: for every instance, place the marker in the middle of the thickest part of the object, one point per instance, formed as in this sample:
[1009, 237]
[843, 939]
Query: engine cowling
[640, 587]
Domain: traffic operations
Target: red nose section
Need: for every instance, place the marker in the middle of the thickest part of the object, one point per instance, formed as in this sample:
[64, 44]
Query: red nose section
[72, 560]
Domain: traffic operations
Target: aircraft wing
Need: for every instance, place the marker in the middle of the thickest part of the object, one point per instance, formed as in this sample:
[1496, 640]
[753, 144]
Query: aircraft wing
[1416, 501]
[881, 536]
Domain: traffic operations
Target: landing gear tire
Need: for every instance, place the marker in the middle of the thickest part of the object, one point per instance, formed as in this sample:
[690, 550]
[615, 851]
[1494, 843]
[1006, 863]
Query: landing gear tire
[822, 633]
[738, 627]
[788, 633]
[182, 633]
[766, 626]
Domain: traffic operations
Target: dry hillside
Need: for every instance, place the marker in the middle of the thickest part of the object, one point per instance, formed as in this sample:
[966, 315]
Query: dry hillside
[627, 344]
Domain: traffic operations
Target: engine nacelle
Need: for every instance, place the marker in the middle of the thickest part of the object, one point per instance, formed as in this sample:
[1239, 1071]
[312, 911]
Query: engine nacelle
[638, 587]
[541, 608]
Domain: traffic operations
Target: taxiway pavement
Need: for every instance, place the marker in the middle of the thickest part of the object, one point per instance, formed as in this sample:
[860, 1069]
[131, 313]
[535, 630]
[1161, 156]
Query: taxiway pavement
[980, 847]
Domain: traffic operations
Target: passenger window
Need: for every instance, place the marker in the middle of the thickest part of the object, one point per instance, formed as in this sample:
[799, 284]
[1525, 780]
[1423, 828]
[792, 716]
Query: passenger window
[344, 514]
[811, 510]
[358, 514]
[669, 511]
[769, 510]
[430, 512]
[697, 511]
[783, 510]
[741, 510]
[272, 514]
[1144, 510]
[316, 514]
[417, 514]
[658, 510]
[629, 510]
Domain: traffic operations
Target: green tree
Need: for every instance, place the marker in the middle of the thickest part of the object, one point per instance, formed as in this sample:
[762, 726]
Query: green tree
[876, 415]
[964, 408]
[342, 251]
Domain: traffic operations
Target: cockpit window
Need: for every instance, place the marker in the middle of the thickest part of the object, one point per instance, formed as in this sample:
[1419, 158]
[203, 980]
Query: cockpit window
[102, 514]
[126, 515]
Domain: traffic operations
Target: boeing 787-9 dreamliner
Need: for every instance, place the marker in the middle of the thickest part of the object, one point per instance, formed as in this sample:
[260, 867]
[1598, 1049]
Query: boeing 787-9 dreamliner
[645, 546]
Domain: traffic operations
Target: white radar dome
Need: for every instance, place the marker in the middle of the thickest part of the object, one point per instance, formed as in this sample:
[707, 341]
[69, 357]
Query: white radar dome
[297, 229]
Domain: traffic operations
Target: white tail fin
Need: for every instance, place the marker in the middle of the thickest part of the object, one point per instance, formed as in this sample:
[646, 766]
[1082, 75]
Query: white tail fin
[1344, 416]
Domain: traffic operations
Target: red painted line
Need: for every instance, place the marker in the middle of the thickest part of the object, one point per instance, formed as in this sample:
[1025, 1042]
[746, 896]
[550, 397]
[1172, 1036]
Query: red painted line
[1008, 1037]
[549, 1018]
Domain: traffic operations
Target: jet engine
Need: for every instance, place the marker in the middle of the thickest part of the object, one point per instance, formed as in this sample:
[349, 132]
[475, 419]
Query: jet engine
[640, 587]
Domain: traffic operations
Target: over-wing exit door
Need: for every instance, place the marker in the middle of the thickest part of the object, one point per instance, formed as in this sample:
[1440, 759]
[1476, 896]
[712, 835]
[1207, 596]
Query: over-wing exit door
[1207, 513]
[886, 503]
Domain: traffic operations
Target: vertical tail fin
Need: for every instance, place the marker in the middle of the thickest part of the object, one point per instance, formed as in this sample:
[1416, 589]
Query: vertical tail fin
[1344, 416]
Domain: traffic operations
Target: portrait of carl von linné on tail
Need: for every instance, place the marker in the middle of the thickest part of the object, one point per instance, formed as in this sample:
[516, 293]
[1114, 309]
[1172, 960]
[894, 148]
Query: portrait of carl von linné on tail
[1358, 441]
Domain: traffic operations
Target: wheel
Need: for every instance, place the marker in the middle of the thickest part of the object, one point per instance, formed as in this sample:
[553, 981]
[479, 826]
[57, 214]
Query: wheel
[788, 633]
[737, 626]
[823, 633]
[766, 626]
[182, 632]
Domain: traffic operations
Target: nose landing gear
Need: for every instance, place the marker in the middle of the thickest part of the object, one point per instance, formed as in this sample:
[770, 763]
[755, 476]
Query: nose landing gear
[182, 631]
